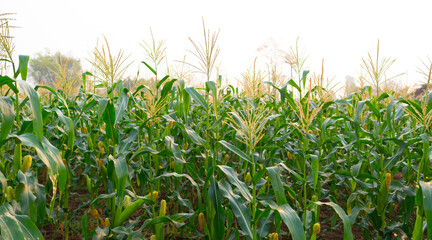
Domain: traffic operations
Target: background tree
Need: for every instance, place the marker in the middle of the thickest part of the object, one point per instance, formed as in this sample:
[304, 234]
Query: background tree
[43, 67]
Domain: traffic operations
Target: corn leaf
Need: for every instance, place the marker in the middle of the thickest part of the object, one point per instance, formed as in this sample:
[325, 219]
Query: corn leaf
[25, 192]
[236, 150]
[274, 173]
[427, 204]
[109, 119]
[197, 97]
[35, 106]
[345, 219]
[14, 226]
[121, 105]
[49, 155]
[238, 207]
[292, 220]
[8, 115]
[233, 179]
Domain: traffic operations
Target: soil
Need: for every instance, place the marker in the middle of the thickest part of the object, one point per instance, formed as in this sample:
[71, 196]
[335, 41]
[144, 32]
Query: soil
[327, 232]
[77, 194]
[75, 233]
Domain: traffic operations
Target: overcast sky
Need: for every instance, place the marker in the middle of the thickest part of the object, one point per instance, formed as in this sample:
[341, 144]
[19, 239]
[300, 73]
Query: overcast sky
[341, 32]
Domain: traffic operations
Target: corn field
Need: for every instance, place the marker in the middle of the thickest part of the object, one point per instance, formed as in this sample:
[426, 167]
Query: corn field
[169, 161]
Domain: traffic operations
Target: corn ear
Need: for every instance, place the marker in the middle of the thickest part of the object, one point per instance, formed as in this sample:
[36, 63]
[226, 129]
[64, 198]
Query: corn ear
[27, 162]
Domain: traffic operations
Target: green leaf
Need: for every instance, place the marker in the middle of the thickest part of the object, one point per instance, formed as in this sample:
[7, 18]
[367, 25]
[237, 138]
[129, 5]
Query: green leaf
[240, 210]
[35, 106]
[8, 81]
[151, 69]
[121, 105]
[150, 150]
[40, 203]
[233, 179]
[69, 127]
[59, 96]
[186, 102]
[195, 137]
[345, 219]
[236, 150]
[293, 222]
[49, 155]
[266, 219]
[84, 79]
[109, 118]
[14, 226]
[218, 221]
[315, 169]
[25, 192]
[120, 167]
[177, 175]
[418, 228]
[374, 109]
[304, 77]
[166, 89]
[8, 115]
[427, 204]
[391, 162]
[174, 149]
[175, 219]
[3, 182]
[160, 82]
[130, 210]
[84, 226]
[359, 109]
[22, 67]
[277, 185]
[292, 172]
[102, 103]
[197, 97]
[126, 144]
[294, 84]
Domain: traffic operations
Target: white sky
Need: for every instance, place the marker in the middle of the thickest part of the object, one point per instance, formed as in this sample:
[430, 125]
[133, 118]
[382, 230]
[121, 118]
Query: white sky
[341, 32]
